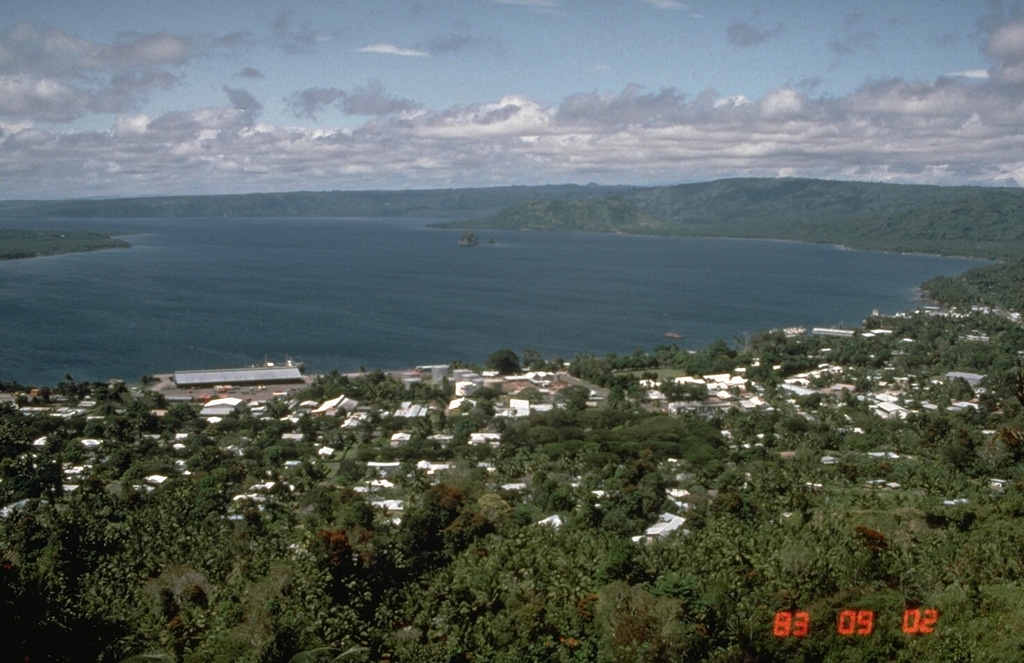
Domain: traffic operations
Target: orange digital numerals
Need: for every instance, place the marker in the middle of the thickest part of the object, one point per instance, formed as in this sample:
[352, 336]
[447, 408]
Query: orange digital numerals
[919, 621]
[855, 622]
[795, 624]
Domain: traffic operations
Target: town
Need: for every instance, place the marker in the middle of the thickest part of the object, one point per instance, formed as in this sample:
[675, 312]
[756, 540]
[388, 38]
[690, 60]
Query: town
[417, 513]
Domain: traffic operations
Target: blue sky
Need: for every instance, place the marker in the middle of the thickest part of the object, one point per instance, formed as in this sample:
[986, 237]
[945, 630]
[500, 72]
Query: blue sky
[137, 98]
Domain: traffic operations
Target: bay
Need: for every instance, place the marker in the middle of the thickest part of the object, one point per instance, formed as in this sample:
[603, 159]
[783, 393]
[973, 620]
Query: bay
[382, 293]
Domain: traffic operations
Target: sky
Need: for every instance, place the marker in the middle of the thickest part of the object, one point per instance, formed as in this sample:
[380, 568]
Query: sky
[130, 98]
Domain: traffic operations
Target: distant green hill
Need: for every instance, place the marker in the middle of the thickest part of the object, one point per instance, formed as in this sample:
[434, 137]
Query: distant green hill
[433, 203]
[976, 221]
[606, 215]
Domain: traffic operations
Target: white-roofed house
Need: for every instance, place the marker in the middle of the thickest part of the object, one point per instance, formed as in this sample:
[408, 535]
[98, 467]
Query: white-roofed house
[220, 407]
[667, 523]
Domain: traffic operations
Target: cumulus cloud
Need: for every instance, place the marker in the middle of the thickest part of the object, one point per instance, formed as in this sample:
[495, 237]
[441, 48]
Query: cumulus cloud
[666, 4]
[950, 130]
[371, 99]
[391, 49]
[52, 51]
[249, 72]
[630, 107]
[243, 100]
[742, 35]
[955, 129]
[970, 73]
[310, 102]
[49, 75]
[460, 42]
[530, 3]
[1006, 47]
[854, 36]
[39, 98]
[294, 37]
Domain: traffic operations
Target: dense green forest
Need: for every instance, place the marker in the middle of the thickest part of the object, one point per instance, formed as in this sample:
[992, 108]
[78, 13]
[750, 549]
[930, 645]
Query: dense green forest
[605, 215]
[837, 478]
[994, 285]
[34, 243]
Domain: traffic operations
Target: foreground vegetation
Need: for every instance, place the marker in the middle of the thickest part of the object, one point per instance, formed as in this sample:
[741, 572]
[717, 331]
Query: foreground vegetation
[293, 531]
[34, 243]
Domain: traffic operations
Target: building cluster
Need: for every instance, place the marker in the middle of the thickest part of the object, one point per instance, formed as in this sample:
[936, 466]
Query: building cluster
[222, 397]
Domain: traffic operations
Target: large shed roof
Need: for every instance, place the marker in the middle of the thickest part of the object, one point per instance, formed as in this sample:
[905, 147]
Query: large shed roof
[255, 375]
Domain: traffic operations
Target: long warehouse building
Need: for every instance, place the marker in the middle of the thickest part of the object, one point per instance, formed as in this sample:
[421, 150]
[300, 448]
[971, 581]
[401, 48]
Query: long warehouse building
[239, 376]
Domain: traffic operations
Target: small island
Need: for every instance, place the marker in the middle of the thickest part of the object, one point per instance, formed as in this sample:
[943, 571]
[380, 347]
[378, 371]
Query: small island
[17, 243]
[468, 239]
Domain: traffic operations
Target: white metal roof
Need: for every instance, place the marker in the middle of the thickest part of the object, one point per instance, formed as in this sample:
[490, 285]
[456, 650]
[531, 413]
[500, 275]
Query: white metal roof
[238, 376]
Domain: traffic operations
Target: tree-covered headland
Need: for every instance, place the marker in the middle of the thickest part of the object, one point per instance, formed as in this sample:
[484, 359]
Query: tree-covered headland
[34, 243]
[665, 505]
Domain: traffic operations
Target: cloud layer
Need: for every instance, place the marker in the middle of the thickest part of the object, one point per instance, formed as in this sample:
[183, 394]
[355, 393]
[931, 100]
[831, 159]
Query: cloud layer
[48, 75]
[961, 128]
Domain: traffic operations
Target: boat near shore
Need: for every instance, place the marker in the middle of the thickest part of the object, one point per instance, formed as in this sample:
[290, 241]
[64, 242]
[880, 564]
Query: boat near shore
[672, 335]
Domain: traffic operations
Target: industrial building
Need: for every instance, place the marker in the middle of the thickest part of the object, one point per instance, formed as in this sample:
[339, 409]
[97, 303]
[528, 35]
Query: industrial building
[257, 375]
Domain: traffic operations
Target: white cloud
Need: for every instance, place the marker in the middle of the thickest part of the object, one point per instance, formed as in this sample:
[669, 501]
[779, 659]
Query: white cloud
[296, 38]
[28, 48]
[131, 124]
[391, 49]
[371, 99]
[970, 73]
[666, 4]
[1007, 42]
[960, 128]
[242, 99]
[742, 35]
[945, 132]
[250, 72]
[779, 103]
[49, 75]
[529, 3]
[734, 101]
[1006, 47]
[40, 98]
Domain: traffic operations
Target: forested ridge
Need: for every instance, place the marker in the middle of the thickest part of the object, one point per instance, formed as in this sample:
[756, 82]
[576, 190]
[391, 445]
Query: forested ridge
[810, 475]
[974, 221]
[426, 203]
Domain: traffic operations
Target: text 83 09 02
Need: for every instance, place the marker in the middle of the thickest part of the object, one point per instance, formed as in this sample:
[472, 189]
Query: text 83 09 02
[796, 624]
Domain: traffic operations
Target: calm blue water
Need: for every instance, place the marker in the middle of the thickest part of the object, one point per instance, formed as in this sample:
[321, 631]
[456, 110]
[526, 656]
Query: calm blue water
[345, 293]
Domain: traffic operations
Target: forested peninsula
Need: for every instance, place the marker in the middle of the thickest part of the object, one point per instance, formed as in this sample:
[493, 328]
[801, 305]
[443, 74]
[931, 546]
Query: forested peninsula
[35, 243]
